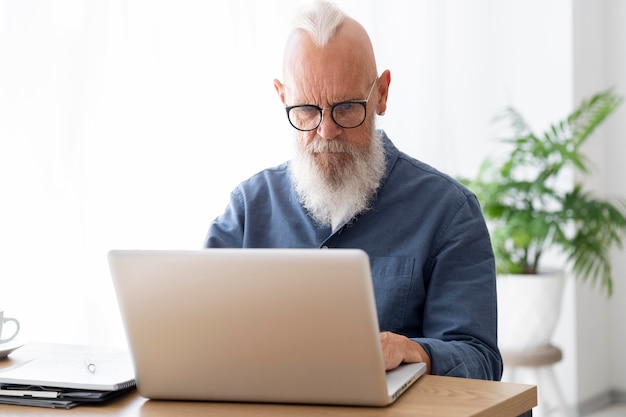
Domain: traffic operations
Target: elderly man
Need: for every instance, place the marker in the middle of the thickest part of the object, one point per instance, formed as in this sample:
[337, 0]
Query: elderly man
[348, 186]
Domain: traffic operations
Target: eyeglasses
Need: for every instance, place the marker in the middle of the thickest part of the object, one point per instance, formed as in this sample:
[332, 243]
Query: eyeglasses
[347, 114]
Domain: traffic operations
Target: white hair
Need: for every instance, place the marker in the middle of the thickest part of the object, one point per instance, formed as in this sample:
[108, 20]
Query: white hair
[337, 197]
[320, 19]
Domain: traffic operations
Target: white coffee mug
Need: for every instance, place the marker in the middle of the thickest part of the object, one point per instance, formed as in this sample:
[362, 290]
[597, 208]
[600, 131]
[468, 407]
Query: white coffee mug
[4, 320]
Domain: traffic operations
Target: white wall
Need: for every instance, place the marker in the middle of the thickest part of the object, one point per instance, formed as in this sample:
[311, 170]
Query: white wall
[615, 151]
[120, 121]
[599, 40]
[589, 42]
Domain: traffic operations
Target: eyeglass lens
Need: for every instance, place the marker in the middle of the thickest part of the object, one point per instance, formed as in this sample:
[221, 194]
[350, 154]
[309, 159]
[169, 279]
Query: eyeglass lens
[347, 115]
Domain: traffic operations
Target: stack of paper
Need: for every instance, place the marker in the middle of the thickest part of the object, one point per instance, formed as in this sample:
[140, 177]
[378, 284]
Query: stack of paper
[65, 376]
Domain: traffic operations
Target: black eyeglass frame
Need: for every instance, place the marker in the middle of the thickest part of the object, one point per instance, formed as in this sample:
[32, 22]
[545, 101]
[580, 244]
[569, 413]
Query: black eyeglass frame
[332, 111]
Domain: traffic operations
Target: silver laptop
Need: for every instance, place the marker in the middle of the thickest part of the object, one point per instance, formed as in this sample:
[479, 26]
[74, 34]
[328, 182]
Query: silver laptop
[255, 325]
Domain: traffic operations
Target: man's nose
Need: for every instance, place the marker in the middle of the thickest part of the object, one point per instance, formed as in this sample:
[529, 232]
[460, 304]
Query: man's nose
[328, 129]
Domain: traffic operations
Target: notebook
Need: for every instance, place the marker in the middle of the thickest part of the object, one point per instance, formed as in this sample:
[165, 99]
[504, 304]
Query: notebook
[255, 325]
[65, 376]
[73, 366]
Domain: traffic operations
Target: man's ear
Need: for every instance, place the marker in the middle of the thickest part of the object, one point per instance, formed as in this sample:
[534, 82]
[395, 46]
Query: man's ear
[280, 89]
[383, 91]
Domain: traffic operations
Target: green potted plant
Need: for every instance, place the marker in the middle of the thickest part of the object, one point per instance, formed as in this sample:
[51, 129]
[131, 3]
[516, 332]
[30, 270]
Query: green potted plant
[534, 202]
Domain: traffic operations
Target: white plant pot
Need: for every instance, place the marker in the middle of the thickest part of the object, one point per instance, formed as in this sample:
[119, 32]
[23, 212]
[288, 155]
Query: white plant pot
[529, 307]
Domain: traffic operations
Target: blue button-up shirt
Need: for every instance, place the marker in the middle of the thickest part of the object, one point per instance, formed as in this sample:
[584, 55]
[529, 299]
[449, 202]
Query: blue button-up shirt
[432, 264]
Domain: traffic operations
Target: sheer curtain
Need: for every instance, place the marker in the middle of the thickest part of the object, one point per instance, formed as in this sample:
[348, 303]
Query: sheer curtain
[125, 124]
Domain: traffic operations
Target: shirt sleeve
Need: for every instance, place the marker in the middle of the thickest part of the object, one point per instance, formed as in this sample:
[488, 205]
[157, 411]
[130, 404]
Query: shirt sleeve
[460, 312]
[226, 231]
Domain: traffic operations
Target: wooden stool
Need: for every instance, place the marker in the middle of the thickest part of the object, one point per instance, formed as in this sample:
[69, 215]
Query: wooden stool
[539, 361]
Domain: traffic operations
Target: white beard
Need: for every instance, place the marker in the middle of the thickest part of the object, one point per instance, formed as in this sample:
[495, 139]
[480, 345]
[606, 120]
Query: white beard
[338, 194]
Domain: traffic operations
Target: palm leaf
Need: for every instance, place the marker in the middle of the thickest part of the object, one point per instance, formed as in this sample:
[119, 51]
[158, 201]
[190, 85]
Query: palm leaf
[528, 208]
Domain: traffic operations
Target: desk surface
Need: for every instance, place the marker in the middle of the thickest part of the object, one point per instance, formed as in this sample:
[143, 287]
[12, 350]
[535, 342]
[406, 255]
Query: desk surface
[430, 396]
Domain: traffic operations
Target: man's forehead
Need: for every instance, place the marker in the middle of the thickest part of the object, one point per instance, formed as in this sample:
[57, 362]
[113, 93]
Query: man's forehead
[323, 91]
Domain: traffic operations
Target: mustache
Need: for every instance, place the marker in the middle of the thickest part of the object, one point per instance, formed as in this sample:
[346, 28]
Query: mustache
[319, 145]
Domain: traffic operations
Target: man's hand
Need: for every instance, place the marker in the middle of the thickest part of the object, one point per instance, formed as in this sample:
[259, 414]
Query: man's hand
[399, 349]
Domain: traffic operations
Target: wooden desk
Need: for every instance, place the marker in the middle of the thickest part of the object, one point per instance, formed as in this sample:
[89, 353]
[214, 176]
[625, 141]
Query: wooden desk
[430, 396]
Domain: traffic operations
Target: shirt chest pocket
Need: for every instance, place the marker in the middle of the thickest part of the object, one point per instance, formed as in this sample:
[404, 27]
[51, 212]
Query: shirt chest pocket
[392, 278]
